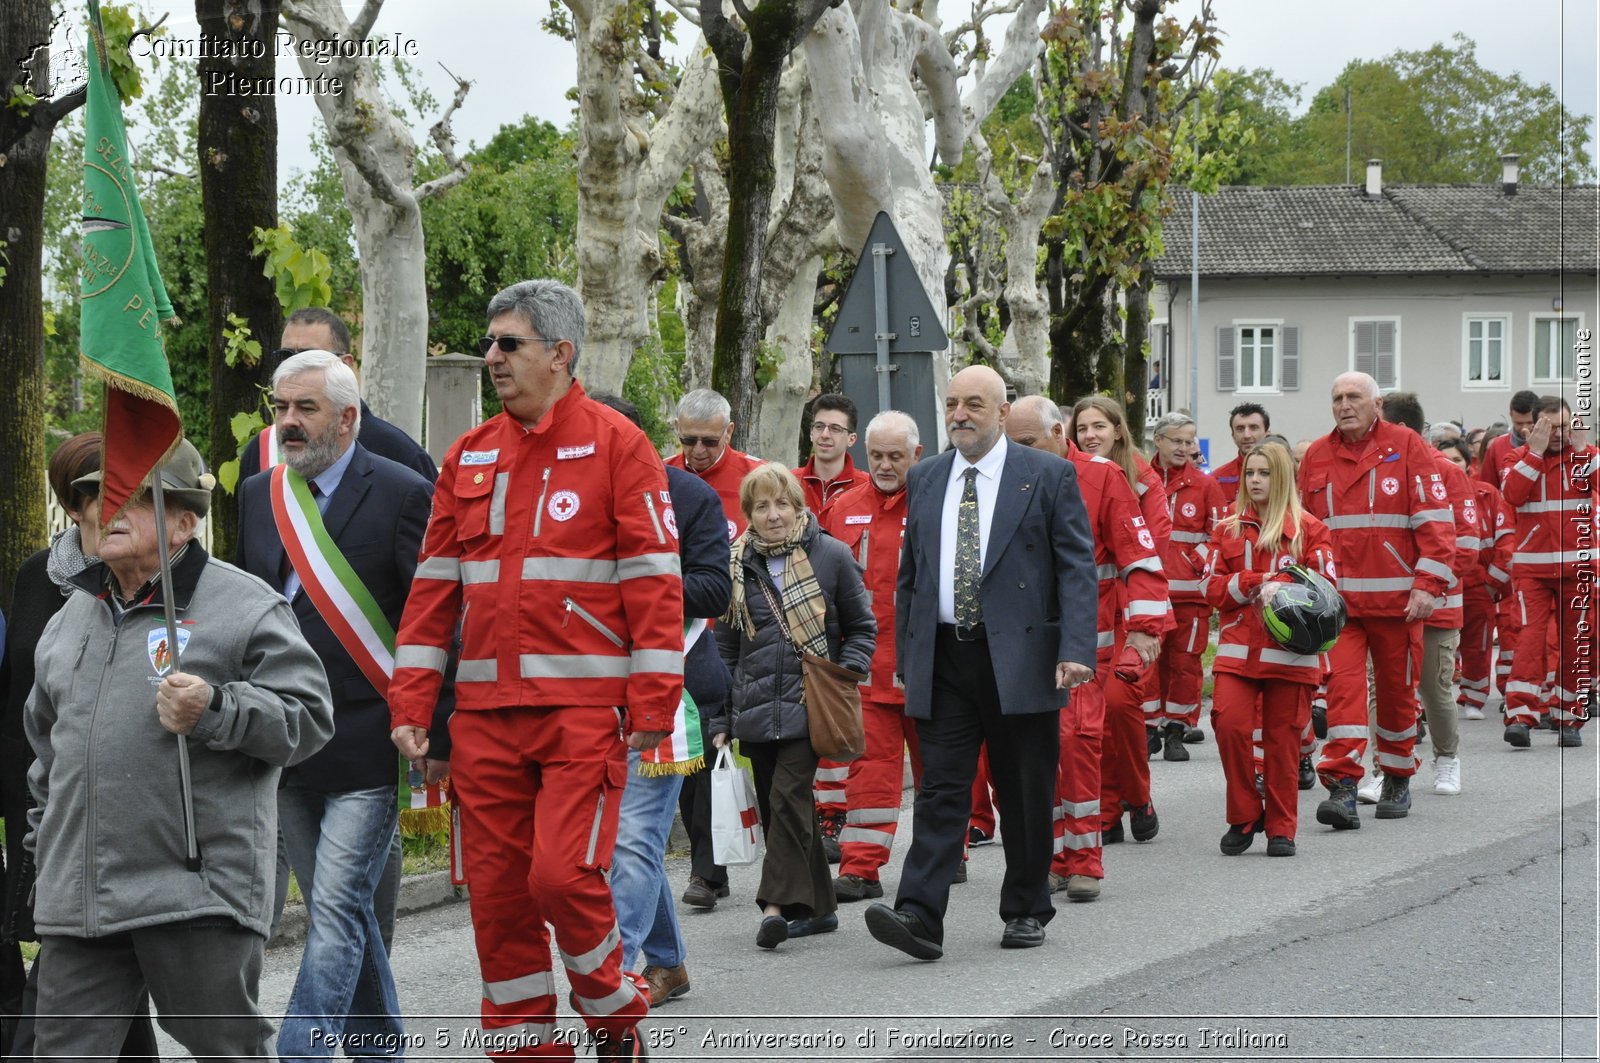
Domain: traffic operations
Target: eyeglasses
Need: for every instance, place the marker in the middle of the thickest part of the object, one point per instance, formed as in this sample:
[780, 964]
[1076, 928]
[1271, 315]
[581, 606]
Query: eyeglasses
[831, 429]
[509, 344]
[690, 442]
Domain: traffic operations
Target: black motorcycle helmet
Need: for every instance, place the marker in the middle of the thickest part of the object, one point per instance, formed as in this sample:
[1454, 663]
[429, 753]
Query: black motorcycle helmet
[1306, 614]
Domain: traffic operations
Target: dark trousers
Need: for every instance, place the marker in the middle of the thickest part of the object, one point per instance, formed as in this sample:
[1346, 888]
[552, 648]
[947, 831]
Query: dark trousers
[794, 871]
[1023, 755]
[694, 805]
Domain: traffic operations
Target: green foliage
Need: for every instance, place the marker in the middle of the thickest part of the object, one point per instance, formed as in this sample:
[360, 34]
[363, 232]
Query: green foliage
[241, 348]
[301, 275]
[120, 26]
[22, 100]
[1435, 116]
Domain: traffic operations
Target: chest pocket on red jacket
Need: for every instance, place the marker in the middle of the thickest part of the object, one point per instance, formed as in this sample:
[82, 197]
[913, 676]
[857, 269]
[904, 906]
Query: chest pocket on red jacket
[476, 498]
[1317, 494]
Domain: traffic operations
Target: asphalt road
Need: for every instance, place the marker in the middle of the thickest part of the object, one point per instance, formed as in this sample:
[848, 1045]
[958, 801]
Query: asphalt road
[1467, 931]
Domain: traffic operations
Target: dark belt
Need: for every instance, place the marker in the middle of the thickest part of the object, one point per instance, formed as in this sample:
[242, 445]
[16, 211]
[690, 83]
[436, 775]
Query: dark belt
[977, 633]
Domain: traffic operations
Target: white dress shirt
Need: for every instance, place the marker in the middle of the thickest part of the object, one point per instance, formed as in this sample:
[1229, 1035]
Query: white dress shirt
[988, 487]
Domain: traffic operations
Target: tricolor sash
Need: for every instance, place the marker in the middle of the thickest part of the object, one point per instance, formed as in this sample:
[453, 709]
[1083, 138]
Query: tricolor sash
[683, 751]
[268, 451]
[340, 598]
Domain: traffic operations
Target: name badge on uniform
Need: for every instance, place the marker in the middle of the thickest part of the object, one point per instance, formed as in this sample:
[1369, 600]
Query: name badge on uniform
[480, 457]
[565, 453]
[859, 518]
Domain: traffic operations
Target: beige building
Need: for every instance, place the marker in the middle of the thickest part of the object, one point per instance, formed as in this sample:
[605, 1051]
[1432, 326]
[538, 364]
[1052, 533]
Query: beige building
[1463, 294]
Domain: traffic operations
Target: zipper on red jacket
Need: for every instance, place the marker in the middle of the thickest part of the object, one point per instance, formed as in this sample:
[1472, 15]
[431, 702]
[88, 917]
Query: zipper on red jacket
[650, 504]
[574, 607]
[1390, 547]
[538, 510]
[1372, 489]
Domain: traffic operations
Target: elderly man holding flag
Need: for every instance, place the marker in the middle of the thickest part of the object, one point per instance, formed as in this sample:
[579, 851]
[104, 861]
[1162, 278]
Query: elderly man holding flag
[155, 872]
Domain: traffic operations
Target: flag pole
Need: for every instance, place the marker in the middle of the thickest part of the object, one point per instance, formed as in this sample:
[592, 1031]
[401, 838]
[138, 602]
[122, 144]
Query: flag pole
[170, 608]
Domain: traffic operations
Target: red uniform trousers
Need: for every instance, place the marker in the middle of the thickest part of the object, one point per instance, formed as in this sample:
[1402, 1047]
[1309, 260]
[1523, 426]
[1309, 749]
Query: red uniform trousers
[1181, 676]
[828, 787]
[1125, 759]
[1563, 600]
[983, 814]
[1477, 646]
[539, 790]
[874, 787]
[1508, 632]
[1283, 708]
[1077, 815]
[1396, 648]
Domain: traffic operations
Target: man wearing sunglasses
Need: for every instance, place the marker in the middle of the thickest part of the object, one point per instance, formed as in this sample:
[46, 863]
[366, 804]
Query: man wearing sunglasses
[553, 552]
[830, 472]
[316, 328]
[704, 424]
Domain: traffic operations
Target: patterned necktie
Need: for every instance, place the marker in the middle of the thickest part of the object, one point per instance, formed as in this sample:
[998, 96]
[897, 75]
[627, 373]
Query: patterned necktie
[968, 612]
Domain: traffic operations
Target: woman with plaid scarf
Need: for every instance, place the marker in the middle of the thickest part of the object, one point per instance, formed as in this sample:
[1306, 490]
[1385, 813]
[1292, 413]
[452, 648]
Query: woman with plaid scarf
[793, 585]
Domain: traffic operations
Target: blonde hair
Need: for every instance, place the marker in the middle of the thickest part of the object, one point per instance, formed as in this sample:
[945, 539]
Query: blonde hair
[770, 479]
[1283, 500]
[1122, 448]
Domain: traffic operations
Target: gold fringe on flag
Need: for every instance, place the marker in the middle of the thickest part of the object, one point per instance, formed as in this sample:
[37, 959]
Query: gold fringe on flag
[415, 822]
[655, 769]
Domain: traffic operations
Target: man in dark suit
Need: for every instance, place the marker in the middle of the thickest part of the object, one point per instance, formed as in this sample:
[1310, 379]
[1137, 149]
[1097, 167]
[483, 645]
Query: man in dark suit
[991, 631]
[337, 809]
[316, 328]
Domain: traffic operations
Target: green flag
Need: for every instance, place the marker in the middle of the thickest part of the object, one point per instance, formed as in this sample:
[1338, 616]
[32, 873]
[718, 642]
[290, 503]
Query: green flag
[123, 299]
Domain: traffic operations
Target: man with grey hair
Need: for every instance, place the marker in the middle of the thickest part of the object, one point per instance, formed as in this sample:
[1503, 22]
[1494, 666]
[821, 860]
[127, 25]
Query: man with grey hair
[870, 518]
[703, 424]
[1376, 487]
[316, 328]
[332, 507]
[552, 556]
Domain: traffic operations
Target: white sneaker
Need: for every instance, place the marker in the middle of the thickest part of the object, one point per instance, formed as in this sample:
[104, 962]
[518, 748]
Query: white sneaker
[1447, 775]
[1370, 787]
[1473, 713]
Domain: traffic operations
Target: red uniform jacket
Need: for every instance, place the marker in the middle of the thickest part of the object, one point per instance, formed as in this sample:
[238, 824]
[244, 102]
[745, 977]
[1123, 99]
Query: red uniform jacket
[1496, 461]
[724, 476]
[820, 493]
[1497, 523]
[556, 552]
[1392, 532]
[1227, 479]
[1195, 504]
[1234, 573]
[1554, 497]
[1463, 498]
[1124, 552]
[873, 525]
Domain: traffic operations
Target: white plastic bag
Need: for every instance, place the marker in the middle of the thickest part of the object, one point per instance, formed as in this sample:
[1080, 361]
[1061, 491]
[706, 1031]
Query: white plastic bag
[736, 836]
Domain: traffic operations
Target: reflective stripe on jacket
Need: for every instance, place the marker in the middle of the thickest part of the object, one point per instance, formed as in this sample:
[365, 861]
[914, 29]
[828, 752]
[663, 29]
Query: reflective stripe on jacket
[1554, 499]
[1235, 572]
[1125, 552]
[1195, 504]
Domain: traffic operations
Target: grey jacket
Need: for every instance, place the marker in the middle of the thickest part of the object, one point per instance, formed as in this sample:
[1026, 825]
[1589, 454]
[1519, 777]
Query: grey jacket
[765, 702]
[107, 832]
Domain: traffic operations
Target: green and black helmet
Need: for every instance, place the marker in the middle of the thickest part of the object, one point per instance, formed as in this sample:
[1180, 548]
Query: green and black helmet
[1306, 614]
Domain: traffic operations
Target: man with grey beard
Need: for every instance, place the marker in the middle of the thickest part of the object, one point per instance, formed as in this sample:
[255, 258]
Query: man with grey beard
[337, 531]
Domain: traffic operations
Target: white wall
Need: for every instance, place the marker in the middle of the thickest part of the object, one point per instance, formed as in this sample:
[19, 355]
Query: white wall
[1431, 313]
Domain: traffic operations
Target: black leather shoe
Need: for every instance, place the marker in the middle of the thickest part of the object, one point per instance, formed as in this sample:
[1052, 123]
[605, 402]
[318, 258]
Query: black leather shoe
[1172, 745]
[1308, 774]
[1319, 721]
[1112, 835]
[903, 931]
[1152, 742]
[774, 931]
[817, 924]
[1517, 735]
[1144, 823]
[1023, 933]
[1193, 736]
[1239, 838]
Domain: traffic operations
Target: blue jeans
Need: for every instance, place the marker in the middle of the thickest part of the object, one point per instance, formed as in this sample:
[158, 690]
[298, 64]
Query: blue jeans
[639, 887]
[344, 994]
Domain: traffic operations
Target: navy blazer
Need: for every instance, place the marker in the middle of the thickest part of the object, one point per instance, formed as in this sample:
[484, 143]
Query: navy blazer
[381, 439]
[1038, 589]
[377, 516]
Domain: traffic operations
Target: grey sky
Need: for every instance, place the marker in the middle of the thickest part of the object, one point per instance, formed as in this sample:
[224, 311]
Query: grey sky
[519, 69]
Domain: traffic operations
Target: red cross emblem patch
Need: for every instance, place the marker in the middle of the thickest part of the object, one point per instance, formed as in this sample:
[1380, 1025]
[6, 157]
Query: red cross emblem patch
[563, 505]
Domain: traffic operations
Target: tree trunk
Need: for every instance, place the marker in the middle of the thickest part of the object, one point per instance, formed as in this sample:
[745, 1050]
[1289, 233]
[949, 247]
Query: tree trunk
[1135, 364]
[25, 148]
[238, 166]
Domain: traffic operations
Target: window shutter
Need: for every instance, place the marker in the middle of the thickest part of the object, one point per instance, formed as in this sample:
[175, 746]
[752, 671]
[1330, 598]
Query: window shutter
[1387, 373]
[1367, 348]
[1225, 366]
[1289, 355]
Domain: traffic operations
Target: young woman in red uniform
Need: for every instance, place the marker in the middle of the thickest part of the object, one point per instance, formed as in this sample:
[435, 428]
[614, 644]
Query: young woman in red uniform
[1264, 534]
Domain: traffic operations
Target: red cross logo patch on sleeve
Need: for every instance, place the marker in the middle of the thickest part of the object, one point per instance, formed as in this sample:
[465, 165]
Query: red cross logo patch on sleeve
[563, 505]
